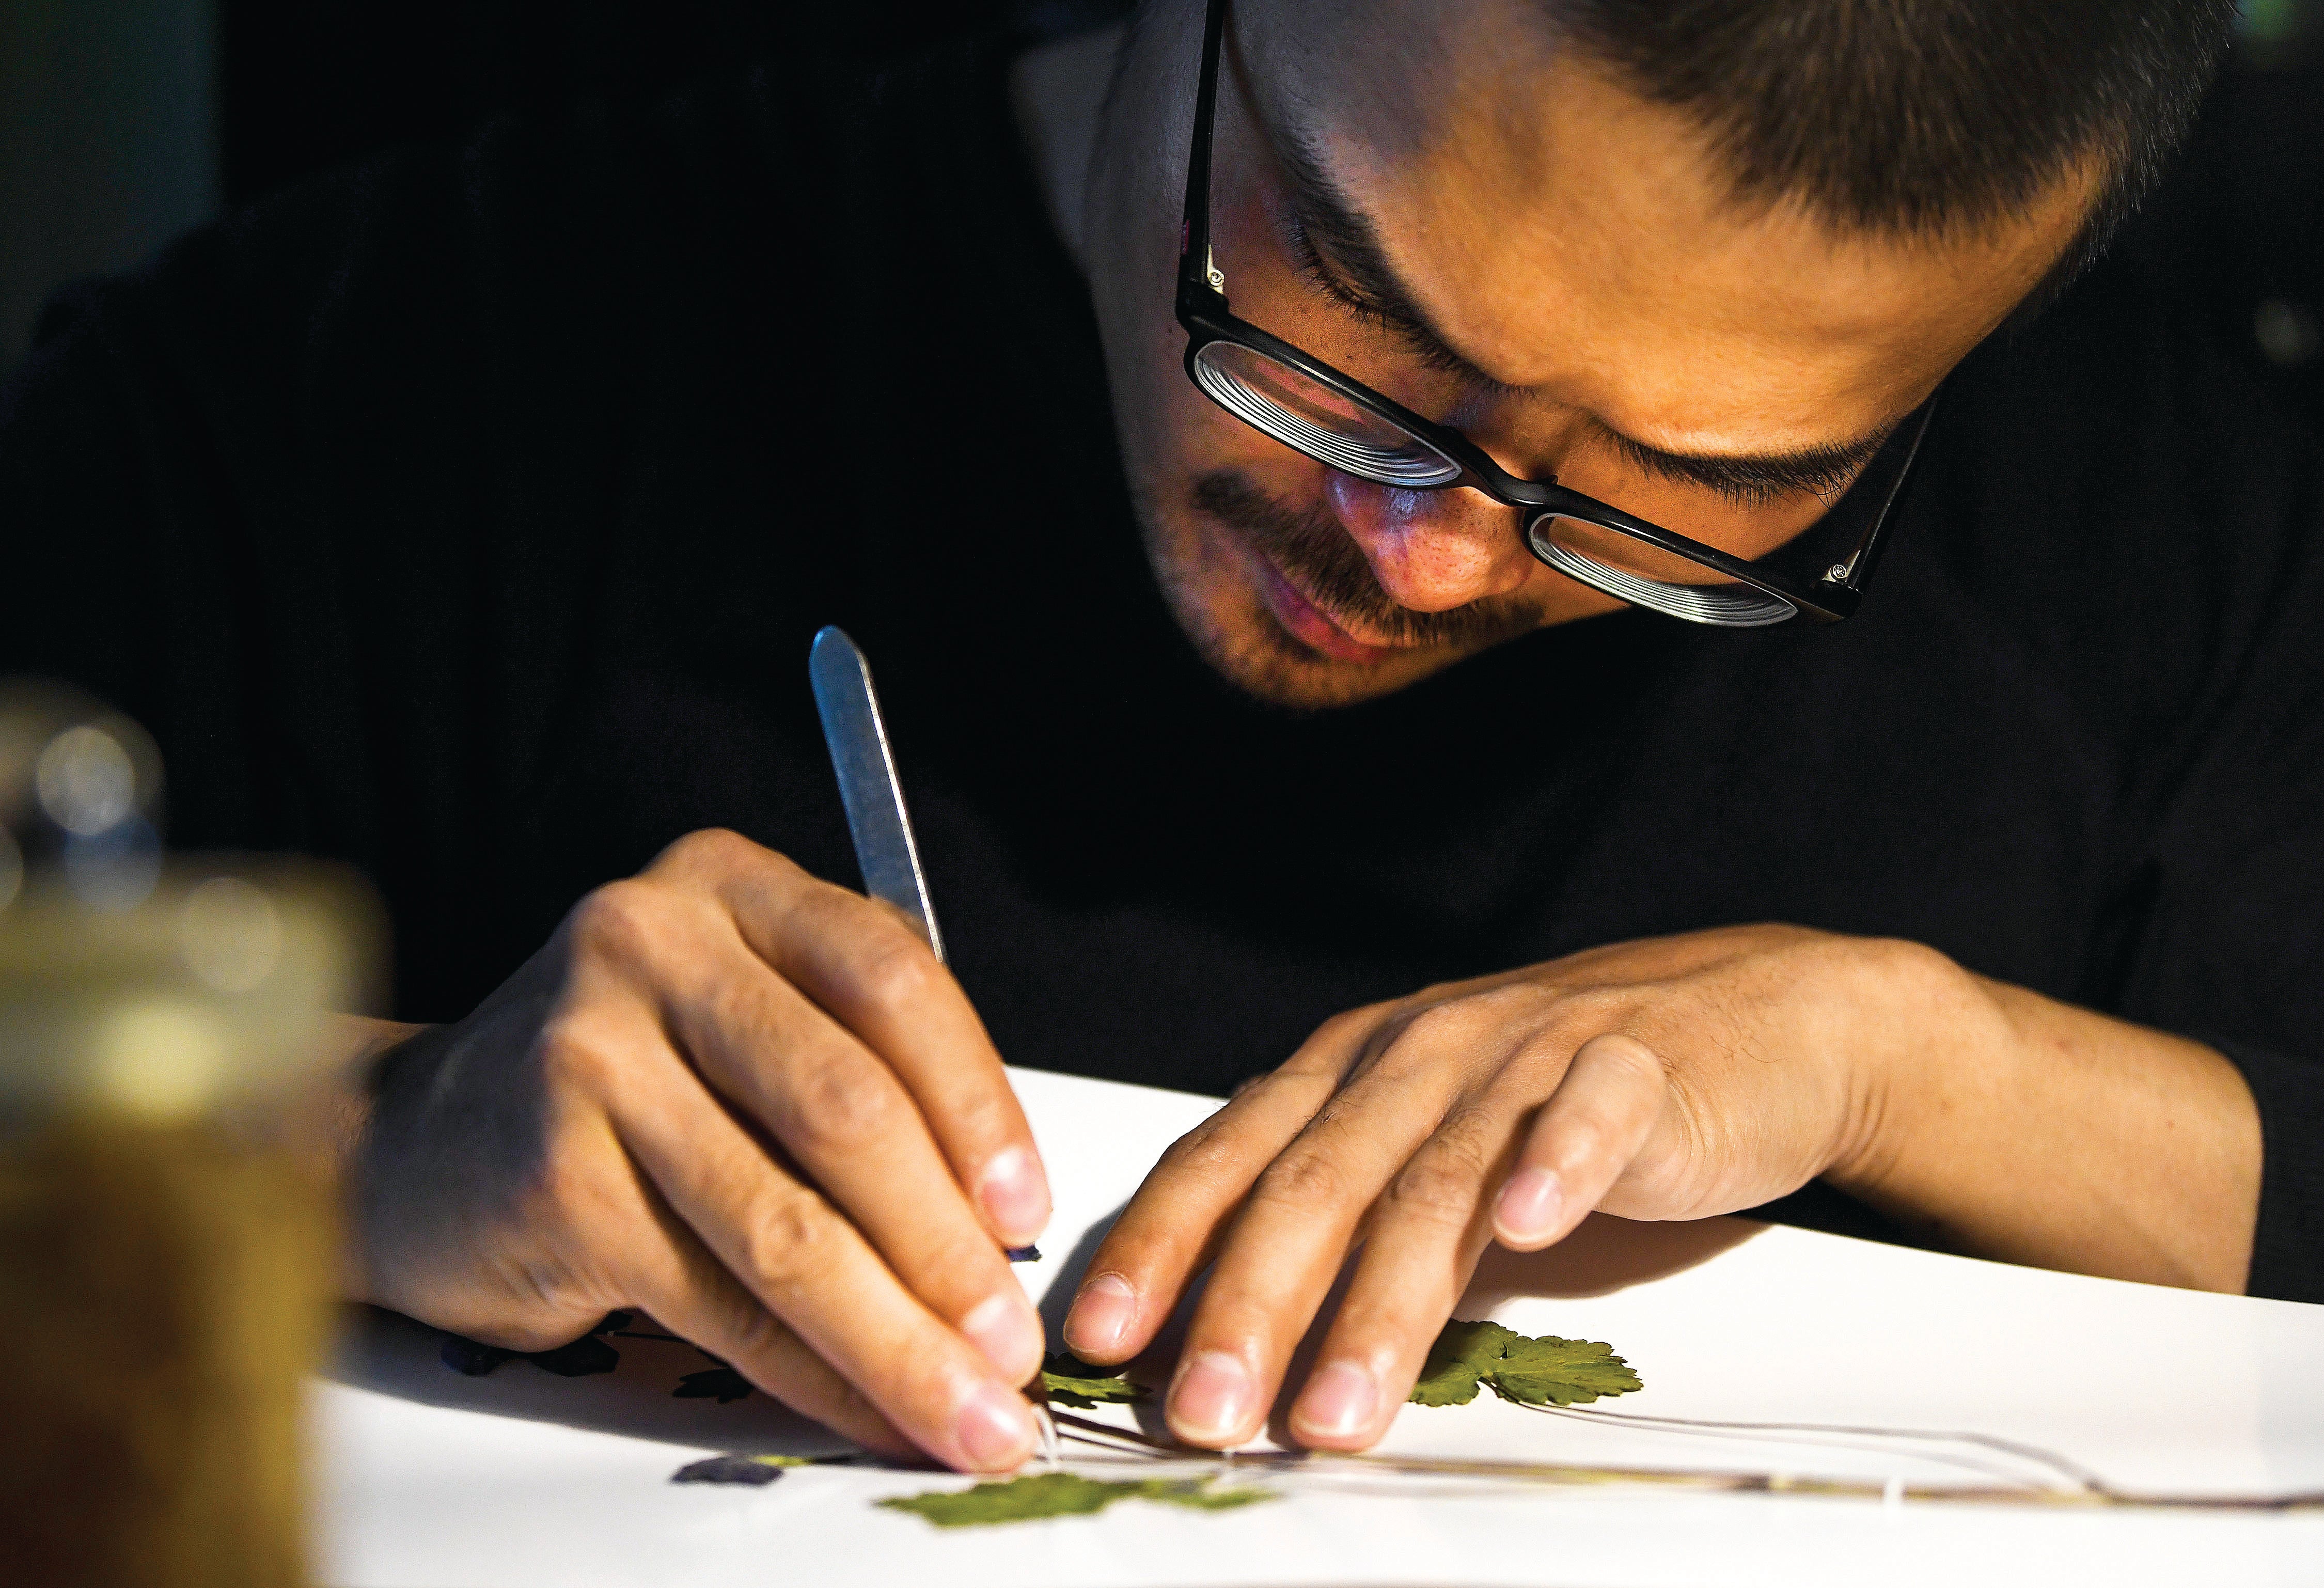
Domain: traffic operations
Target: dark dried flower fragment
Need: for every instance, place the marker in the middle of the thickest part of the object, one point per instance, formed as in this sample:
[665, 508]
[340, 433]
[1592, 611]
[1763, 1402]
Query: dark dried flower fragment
[729, 1468]
[472, 1358]
[723, 1382]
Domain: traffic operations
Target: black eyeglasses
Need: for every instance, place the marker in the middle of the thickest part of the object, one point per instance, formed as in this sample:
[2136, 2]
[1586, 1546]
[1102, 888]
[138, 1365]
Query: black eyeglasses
[1307, 405]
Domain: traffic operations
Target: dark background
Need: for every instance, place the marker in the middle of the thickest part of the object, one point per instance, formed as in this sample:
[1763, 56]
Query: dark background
[126, 121]
[308, 86]
[2240, 225]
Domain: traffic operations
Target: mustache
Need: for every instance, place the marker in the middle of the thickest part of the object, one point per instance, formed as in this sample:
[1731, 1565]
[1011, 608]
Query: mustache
[1330, 569]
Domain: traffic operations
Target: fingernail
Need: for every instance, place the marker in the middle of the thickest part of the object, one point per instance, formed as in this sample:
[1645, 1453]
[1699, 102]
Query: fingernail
[1531, 1203]
[1003, 1327]
[1016, 1195]
[1212, 1397]
[994, 1425]
[1102, 1316]
[1339, 1402]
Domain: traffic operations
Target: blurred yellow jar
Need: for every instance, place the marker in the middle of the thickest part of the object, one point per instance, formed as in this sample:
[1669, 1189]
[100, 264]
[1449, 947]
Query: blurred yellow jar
[165, 1259]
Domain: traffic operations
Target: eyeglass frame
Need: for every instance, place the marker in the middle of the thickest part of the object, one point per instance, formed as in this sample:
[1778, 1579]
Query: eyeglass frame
[1207, 319]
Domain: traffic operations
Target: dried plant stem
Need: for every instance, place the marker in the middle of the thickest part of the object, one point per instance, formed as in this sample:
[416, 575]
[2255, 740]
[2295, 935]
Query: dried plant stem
[2090, 1493]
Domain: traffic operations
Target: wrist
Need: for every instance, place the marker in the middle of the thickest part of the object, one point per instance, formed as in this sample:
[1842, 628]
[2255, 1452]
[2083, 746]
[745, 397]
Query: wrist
[326, 1116]
[325, 1126]
[1914, 1028]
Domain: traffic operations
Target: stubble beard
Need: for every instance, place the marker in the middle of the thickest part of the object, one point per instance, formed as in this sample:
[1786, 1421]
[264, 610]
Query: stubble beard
[1232, 627]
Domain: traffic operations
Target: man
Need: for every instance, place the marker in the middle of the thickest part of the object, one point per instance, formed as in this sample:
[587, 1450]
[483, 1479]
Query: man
[470, 517]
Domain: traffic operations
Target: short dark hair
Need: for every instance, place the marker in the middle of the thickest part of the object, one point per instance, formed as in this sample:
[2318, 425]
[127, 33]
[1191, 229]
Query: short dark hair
[1920, 117]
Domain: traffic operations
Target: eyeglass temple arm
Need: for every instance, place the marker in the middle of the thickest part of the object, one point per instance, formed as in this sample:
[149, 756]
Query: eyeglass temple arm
[1866, 554]
[1195, 230]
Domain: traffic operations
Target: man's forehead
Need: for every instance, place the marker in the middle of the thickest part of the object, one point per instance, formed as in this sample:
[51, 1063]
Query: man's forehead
[1566, 234]
[1393, 61]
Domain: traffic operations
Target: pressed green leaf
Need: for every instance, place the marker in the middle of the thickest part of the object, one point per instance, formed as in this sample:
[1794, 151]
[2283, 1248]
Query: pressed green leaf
[1013, 1499]
[1553, 1371]
[1062, 1494]
[1071, 1383]
[1544, 1372]
[1196, 1494]
[1464, 1352]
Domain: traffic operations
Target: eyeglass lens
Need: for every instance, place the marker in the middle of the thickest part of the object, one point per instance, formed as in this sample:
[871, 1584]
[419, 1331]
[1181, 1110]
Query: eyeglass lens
[1647, 575]
[1304, 413]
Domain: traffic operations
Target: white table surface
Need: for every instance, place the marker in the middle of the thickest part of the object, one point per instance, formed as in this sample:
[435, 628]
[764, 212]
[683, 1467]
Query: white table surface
[523, 1480]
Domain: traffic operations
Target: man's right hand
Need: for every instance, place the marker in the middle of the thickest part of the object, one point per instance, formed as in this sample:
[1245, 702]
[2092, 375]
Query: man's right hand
[752, 1104]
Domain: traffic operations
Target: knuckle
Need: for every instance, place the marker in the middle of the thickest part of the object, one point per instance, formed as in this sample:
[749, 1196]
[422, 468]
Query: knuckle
[1470, 1139]
[615, 922]
[1896, 961]
[1332, 1045]
[715, 850]
[757, 1337]
[1201, 1143]
[1231, 1147]
[894, 969]
[752, 1020]
[792, 1249]
[1427, 1033]
[1444, 1179]
[1437, 1190]
[1204, 1153]
[1304, 1178]
[842, 1107]
[575, 1054]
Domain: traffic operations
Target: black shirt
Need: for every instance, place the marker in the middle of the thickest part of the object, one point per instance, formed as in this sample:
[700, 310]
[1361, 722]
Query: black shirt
[467, 517]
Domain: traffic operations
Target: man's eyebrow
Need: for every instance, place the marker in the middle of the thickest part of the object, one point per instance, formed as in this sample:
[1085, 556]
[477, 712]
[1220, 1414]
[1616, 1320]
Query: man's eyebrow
[1357, 269]
[1325, 216]
[1824, 470]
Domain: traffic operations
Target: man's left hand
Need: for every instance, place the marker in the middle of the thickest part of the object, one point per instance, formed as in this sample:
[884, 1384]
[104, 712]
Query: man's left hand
[1672, 1079]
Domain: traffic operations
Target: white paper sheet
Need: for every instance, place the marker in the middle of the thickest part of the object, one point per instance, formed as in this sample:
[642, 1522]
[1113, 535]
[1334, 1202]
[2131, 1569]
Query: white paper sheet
[1902, 1374]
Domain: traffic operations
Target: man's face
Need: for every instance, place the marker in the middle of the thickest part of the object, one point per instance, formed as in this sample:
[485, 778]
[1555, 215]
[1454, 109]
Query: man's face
[1441, 201]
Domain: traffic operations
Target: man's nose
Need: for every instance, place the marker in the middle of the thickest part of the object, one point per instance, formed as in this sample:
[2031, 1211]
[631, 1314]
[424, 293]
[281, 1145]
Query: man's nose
[1431, 550]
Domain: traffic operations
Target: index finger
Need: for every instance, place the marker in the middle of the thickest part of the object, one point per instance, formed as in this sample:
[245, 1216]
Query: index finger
[872, 972]
[1177, 1221]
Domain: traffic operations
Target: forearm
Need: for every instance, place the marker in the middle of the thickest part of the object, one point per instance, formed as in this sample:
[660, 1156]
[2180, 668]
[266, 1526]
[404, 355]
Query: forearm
[2008, 1125]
